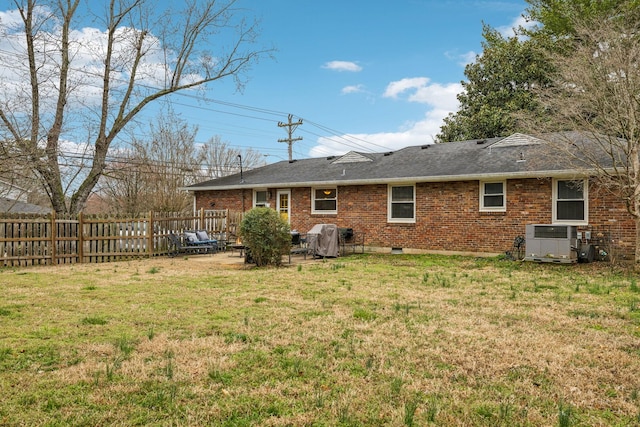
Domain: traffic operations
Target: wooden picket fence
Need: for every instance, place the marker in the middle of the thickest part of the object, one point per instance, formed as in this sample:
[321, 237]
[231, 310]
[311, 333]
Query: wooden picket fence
[30, 239]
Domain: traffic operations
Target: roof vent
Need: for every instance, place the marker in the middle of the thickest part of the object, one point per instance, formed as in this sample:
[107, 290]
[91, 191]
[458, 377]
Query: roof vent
[331, 157]
[292, 161]
[424, 147]
[388, 153]
[481, 141]
[352, 157]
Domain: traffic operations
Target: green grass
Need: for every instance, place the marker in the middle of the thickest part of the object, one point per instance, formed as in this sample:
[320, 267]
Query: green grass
[366, 340]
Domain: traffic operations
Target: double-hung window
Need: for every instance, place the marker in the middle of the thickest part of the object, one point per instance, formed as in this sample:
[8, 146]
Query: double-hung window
[570, 201]
[493, 196]
[402, 203]
[260, 198]
[324, 200]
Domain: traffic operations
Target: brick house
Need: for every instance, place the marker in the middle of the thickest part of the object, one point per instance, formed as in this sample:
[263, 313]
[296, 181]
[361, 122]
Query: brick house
[468, 197]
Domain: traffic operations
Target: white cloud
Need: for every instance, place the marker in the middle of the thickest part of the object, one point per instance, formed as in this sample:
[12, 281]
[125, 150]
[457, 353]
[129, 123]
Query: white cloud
[510, 29]
[342, 66]
[10, 19]
[440, 100]
[437, 96]
[352, 89]
[467, 58]
[462, 58]
[396, 88]
[87, 50]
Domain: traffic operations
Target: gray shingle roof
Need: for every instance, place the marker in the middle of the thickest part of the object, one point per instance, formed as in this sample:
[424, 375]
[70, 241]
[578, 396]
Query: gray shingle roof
[15, 206]
[513, 156]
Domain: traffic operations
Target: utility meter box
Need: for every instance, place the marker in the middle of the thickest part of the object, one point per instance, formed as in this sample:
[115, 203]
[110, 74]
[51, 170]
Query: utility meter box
[551, 243]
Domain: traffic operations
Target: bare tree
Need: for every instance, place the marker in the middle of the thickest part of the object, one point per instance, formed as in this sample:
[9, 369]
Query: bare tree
[597, 92]
[122, 187]
[66, 86]
[151, 175]
[220, 159]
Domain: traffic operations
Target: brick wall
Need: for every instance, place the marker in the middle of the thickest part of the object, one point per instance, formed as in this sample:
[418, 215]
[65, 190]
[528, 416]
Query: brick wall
[447, 215]
[609, 215]
[232, 200]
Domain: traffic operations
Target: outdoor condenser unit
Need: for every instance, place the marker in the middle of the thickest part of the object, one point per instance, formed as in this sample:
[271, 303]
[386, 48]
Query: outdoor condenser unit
[551, 243]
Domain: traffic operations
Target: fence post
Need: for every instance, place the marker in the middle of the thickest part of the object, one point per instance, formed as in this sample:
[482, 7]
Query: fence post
[226, 223]
[80, 238]
[202, 227]
[54, 240]
[150, 248]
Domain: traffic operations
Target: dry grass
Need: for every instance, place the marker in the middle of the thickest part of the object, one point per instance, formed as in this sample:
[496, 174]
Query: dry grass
[366, 340]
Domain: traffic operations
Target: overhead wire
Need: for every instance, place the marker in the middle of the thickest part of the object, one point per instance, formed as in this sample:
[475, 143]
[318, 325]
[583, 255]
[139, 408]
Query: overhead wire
[334, 136]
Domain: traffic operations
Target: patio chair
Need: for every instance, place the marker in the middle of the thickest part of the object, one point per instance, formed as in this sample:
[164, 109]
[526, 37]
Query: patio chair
[202, 237]
[299, 245]
[350, 241]
[177, 246]
[221, 238]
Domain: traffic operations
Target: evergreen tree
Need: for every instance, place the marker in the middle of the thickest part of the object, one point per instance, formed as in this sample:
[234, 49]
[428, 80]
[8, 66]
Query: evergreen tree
[502, 83]
[499, 85]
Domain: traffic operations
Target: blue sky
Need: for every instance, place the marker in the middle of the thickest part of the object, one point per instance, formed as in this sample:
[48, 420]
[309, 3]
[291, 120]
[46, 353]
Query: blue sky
[384, 72]
[362, 75]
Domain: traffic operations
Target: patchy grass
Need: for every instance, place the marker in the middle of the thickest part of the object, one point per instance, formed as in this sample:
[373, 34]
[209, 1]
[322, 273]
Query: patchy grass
[367, 340]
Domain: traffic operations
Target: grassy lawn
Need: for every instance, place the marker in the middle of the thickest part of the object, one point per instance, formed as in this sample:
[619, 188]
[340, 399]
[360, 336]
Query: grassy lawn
[367, 340]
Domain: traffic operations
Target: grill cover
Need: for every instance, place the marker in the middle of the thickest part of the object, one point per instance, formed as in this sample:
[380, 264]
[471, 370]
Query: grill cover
[323, 240]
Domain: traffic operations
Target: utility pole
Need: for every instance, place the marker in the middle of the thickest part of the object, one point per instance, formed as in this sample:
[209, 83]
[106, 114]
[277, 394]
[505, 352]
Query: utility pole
[290, 140]
[241, 178]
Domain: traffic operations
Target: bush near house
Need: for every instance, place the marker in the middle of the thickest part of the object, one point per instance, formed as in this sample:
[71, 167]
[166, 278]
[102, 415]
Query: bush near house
[266, 236]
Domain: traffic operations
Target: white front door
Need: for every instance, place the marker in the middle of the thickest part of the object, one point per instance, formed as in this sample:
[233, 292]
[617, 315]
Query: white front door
[284, 204]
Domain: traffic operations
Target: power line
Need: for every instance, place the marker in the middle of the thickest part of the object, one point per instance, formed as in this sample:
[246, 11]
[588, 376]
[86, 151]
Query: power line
[350, 138]
[342, 137]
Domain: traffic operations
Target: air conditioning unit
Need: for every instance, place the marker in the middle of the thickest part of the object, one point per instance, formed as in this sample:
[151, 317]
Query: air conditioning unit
[551, 243]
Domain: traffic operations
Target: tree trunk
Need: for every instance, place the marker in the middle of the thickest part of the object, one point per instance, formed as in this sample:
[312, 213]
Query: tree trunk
[637, 245]
[132, 45]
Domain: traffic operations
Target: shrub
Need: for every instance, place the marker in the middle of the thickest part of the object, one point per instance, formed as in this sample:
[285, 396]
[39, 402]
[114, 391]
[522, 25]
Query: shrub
[266, 235]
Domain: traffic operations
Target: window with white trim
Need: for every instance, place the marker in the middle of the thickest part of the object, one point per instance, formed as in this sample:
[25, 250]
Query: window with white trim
[493, 196]
[402, 203]
[570, 201]
[260, 198]
[324, 200]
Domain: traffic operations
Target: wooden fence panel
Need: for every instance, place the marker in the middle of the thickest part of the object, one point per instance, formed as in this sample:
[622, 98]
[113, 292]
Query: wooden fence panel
[31, 239]
[66, 240]
[108, 239]
[24, 240]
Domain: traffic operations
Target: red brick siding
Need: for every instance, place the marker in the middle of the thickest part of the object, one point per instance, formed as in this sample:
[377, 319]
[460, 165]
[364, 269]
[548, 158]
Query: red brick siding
[447, 214]
[608, 213]
[221, 199]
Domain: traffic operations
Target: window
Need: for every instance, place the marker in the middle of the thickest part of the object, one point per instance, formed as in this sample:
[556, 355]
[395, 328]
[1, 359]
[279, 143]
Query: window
[325, 200]
[493, 196]
[570, 201]
[260, 198]
[402, 203]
